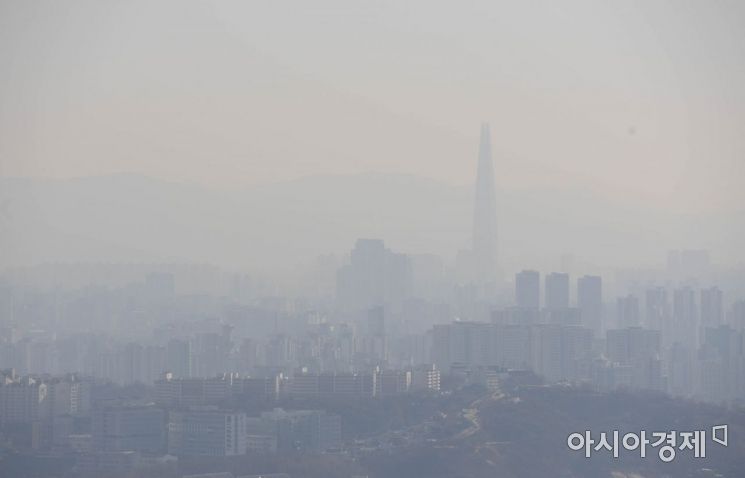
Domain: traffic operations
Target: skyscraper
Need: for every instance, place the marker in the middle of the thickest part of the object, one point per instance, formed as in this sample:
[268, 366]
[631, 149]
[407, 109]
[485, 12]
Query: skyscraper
[485, 214]
[528, 289]
[375, 276]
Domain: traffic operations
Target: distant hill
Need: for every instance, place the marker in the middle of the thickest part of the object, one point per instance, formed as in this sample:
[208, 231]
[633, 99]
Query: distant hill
[128, 217]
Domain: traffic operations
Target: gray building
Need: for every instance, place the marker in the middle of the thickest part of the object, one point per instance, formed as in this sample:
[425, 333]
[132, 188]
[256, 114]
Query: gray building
[299, 430]
[590, 302]
[206, 432]
[528, 289]
[140, 429]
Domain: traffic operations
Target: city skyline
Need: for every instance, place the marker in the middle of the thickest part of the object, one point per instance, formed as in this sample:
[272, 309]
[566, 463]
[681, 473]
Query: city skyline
[346, 239]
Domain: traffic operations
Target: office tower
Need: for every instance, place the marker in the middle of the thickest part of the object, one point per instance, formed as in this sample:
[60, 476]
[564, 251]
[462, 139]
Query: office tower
[657, 308]
[361, 284]
[528, 289]
[590, 302]
[206, 433]
[712, 312]
[375, 276]
[368, 256]
[628, 312]
[557, 290]
[485, 214]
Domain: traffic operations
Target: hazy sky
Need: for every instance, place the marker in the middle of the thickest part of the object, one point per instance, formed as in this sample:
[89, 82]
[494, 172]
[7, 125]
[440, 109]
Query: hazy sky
[637, 100]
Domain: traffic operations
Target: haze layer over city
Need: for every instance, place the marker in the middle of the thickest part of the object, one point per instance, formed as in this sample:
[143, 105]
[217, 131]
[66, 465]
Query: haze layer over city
[389, 239]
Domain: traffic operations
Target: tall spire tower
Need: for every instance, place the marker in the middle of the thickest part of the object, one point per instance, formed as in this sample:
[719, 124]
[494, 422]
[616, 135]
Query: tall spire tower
[485, 214]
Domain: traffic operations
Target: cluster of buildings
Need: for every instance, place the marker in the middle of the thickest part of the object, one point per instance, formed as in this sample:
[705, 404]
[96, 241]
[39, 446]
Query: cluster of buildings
[396, 323]
[211, 431]
[187, 416]
[682, 343]
[210, 348]
[31, 408]
[65, 416]
[234, 389]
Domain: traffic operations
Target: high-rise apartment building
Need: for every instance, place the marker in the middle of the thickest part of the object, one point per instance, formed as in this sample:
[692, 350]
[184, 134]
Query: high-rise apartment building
[528, 289]
[206, 432]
